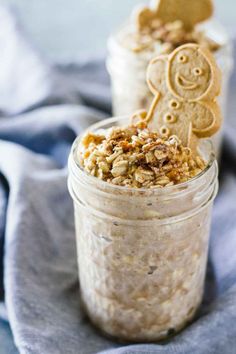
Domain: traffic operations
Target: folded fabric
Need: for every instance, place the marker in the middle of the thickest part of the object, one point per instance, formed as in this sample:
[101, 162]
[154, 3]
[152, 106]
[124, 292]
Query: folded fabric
[36, 213]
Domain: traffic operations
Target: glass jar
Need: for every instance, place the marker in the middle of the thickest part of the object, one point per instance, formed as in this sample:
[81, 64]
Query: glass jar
[142, 253]
[127, 70]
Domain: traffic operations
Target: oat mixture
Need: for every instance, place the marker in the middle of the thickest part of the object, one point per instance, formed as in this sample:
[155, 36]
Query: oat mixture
[138, 158]
[169, 36]
[142, 253]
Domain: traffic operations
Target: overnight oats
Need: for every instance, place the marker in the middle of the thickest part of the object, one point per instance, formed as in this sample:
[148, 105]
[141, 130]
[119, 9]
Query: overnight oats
[143, 194]
[135, 44]
[142, 212]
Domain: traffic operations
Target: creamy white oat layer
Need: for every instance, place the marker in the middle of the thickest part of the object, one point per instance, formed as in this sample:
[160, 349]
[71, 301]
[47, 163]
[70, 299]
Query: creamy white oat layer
[141, 282]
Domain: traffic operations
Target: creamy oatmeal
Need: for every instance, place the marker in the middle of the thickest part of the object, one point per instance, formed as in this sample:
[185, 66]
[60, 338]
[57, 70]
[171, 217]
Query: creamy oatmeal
[142, 251]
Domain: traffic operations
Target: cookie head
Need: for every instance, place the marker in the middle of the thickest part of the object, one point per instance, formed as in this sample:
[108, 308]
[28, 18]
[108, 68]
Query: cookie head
[193, 73]
[189, 12]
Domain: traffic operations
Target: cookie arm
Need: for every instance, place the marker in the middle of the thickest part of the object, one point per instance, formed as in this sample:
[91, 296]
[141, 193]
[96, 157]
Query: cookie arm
[209, 121]
[156, 74]
[143, 16]
[152, 109]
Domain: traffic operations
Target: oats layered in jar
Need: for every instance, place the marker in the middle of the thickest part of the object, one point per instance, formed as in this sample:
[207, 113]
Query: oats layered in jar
[142, 211]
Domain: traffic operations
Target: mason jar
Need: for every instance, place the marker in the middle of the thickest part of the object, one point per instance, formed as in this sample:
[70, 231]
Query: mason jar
[142, 253]
[127, 71]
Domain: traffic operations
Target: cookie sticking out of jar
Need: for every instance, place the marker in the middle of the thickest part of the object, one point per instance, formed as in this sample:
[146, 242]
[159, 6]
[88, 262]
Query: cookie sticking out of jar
[185, 85]
[160, 148]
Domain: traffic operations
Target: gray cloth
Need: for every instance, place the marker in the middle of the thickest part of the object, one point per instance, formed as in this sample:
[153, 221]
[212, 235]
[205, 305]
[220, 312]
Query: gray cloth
[43, 109]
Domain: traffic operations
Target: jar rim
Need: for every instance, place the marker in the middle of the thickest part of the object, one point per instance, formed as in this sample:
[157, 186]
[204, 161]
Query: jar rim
[155, 191]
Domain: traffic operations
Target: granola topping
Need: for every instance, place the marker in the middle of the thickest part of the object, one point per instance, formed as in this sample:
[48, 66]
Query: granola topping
[138, 158]
[166, 37]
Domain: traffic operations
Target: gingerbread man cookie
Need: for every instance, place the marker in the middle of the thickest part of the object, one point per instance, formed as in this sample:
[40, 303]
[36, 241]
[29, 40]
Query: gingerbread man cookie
[189, 12]
[185, 85]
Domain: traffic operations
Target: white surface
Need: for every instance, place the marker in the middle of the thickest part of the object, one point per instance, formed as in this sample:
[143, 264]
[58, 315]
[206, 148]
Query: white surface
[75, 28]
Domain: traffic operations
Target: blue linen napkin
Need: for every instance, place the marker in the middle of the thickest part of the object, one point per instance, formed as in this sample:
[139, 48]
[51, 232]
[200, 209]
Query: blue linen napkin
[43, 108]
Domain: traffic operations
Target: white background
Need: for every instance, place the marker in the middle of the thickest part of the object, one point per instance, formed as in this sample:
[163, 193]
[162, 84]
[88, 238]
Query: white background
[69, 29]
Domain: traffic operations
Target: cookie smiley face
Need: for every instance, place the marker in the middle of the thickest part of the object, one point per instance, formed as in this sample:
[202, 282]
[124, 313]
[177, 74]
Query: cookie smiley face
[191, 73]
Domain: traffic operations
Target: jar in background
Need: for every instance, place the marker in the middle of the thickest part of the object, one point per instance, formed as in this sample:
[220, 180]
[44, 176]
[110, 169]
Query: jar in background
[127, 70]
[142, 253]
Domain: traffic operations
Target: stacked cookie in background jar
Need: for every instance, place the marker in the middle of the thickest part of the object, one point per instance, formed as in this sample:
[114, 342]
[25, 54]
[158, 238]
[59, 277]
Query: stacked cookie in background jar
[143, 188]
[159, 29]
